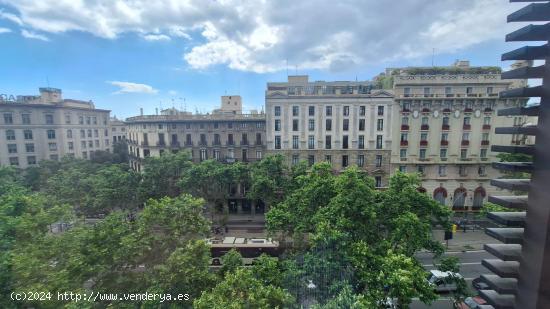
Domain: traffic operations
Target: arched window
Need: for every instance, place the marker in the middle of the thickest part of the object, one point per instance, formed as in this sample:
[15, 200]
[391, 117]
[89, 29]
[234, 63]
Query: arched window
[459, 198]
[440, 194]
[479, 196]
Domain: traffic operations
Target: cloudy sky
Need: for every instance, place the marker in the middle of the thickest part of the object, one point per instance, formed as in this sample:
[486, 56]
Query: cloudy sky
[127, 54]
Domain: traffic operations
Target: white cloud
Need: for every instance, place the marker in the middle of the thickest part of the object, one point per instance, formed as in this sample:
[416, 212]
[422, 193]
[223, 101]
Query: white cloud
[4, 30]
[260, 36]
[33, 35]
[172, 92]
[156, 37]
[127, 87]
[11, 17]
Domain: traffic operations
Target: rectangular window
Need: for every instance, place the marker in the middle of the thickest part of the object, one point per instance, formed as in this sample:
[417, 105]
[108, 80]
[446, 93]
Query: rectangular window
[361, 124]
[443, 153]
[403, 168]
[295, 111]
[362, 110]
[311, 142]
[51, 134]
[12, 148]
[295, 142]
[328, 110]
[29, 147]
[404, 137]
[422, 153]
[295, 159]
[258, 154]
[96, 133]
[463, 153]
[71, 145]
[311, 110]
[444, 136]
[328, 158]
[466, 120]
[83, 144]
[8, 118]
[26, 118]
[426, 91]
[49, 119]
[346, 110]
[345, 161]
[425, 120]
[277, 142]
[94, 120]
[378, 181]
[258, 139]
[469, 90]
[380, 125]
[230, 139]
[442, 170]
[90, 144]
[407, 91]
[483, 153]
[380, 110]
[311, 124]
[423, 137]
[403, 153]
[378, 141]
[405, 121]
[481, 170]
[90, 133]
[378, 160]
[328, 124]
[31, 160]
[311, 159]
[361, 144]
[346, 125]
[69, 133]
[80, 120]
[295, 124]
[10, 135]
[14, 161]
[52, 146]
[486, 120]
[202, 155]
[345, 142]
[361, 160]
[277, 111]
[244, 139]
[277, 125]
[328, 142]
[448, 91]
[465, 136]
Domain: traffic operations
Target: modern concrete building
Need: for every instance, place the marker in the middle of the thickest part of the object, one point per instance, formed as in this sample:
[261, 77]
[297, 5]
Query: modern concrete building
[226, 135]
[48, 127]
[443, 128]
[342, 122]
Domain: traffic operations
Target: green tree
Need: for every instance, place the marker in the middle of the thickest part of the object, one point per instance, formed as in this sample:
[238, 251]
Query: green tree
[231, 261]
[161, 175]
[452, 264]
[240, 289]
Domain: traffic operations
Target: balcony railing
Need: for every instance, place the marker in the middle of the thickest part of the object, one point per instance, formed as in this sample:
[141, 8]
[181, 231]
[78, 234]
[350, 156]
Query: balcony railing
[465, 143]
[446, 110]
[424, 127]
[425, 110]
[486, 127]
[405, 110]
[216, 143]
[423, 143]
[203, 143]
[404, 127]
[468, 110]
[467, 127]
[174, 143]
[244, 143]
[259, 143]
[404, 143]
[445, 127]
[230, 143]
[484, 143]
[488, 110]
[444, 143]
[188, 143]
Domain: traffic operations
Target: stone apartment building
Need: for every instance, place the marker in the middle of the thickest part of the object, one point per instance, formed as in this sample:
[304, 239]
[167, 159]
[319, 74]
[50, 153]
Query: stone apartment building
[48, 127]
[341, 122]
[226, 134]
[118, 130]
[443, 128]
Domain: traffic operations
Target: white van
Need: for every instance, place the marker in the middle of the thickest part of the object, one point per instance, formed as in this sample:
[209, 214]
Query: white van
[442, 280]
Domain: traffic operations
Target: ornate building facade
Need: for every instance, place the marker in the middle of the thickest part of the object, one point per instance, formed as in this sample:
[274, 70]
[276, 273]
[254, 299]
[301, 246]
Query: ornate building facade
[443, 128]
[48, 127]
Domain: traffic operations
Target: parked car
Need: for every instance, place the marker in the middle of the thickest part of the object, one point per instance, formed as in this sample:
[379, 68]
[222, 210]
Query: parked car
[479, 284]
[442, 280]
[472, 303]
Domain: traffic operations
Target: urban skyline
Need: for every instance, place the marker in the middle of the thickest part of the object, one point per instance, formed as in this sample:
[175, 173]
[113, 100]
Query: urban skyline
[146, 64]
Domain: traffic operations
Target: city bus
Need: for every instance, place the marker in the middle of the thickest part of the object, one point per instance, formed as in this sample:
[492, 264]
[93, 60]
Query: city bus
[249, 248]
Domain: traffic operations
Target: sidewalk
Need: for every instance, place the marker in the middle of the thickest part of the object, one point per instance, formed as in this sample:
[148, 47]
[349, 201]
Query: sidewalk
[465, 241]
